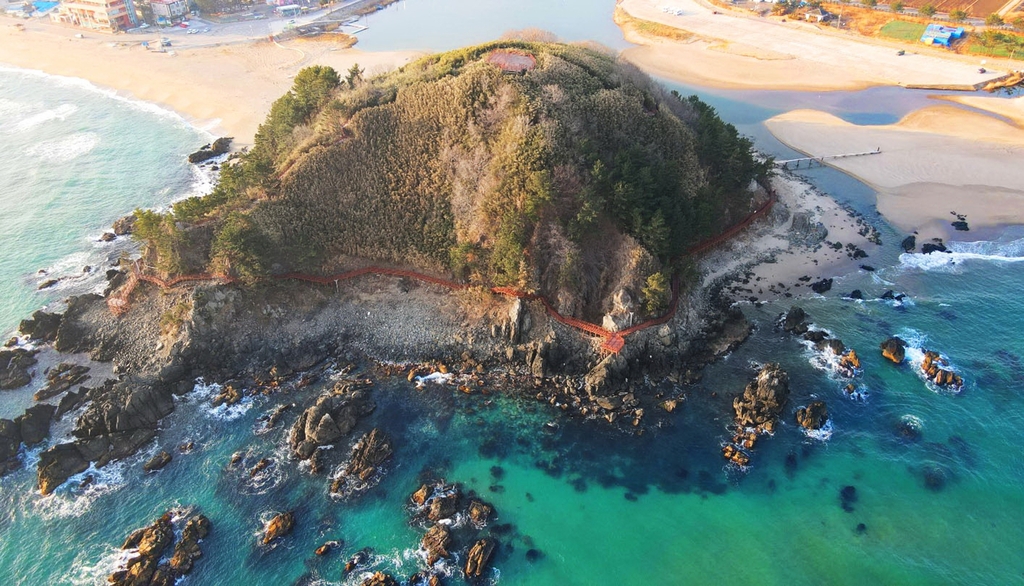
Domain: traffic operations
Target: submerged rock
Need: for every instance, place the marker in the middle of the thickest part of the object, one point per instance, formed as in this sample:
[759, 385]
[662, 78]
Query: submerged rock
[847, 498]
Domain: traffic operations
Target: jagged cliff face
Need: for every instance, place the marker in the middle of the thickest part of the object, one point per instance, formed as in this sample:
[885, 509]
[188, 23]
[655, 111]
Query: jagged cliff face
[577, 177]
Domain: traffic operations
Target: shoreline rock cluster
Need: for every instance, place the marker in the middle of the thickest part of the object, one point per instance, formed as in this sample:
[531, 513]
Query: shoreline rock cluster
[757, 411]
[150, 567]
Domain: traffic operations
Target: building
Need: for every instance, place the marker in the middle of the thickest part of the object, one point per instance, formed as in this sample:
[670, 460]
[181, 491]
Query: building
[936, 34]
[104, 15]
[168, 12]
[817, 15]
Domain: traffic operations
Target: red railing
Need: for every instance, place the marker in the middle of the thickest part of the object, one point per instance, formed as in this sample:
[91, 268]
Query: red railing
[613, 341]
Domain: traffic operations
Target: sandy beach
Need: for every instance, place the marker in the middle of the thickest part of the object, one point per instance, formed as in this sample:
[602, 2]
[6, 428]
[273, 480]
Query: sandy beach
[777, 258]
[737, 49]
[224, 89]
[935, 161]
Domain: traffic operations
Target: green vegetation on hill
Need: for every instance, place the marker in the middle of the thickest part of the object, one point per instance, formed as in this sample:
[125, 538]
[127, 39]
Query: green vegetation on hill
[576, 178]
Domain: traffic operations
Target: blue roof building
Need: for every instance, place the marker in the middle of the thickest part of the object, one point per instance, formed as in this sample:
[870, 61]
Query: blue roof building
[936, 34]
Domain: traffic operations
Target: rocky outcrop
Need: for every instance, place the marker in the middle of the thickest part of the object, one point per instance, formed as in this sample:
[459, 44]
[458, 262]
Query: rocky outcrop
[10, 443]
[124, 226]
[807, 232]
[603, 377]
[935, 246]
[62, 461]
[436, 542]
[127, 406]
[228, 395]
[60, 379]
[849, 364]
[359, 474]
[822, 286]
[281, 525]
[75, 334]
[145, 568]
[795, 321]
[41, 327]
[332, 417]
[187, 551]
[893, 349]
[813, 416]
[478, 558]
[157, 462]
[480, 512]
[219, 147]
[35, 423]
[932, 365]
[763, 399]
[380, 579]
[909, 244]
[14, 368]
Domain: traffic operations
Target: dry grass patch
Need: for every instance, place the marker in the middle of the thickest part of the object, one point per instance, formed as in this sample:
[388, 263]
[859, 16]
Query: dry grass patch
[650, 29]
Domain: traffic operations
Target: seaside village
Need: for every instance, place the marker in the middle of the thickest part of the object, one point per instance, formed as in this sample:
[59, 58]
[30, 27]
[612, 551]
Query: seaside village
[115, 16]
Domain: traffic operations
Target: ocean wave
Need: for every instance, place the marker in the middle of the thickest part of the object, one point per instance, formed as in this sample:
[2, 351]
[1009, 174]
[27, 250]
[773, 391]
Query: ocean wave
[959, 252]
[203, 393]
[10, 108]
[59, 113]
[65, 149]
[79, 83]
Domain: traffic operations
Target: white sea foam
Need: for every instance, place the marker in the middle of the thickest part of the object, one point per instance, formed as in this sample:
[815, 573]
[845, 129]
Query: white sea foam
[961, 252]
[822, 434]
[435, 377]
[65, 149]
[84, 574]
[71, 501]
[916, 345]
[64, 81]
[59, 113]
[203, 393]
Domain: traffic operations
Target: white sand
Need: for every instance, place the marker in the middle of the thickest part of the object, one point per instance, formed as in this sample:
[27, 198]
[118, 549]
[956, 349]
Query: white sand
[772, 261]
[933, 162]
[739, 49]
[225, 89]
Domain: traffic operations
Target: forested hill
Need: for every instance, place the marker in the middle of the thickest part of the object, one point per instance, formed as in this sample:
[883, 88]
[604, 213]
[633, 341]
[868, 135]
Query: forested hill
[577, 177]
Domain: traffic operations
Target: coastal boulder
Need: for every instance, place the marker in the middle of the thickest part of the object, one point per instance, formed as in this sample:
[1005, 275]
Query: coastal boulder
[478, 557]
[436, 543]
[380, 579]
[41, 326]
[187, 550]
[333, 416]
[358, 475]
[813, 416]
[795, 321]
[281, 525]
[35, 423]
[822, 286]
[127, 406]
[157, 462]
[14, 368]
[763, 398]
[909, 244]
[893, 349]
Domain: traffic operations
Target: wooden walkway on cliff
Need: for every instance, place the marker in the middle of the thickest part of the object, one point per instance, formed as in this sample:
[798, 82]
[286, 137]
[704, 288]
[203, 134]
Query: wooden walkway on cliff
[784, 164]
[118, 301]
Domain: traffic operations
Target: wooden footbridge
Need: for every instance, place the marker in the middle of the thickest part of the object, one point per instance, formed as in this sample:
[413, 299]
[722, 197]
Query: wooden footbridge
[118, 301]
[785, 164]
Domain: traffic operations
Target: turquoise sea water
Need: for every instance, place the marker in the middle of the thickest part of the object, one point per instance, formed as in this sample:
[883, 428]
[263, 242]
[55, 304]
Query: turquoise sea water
[601, 506]
[76, 158]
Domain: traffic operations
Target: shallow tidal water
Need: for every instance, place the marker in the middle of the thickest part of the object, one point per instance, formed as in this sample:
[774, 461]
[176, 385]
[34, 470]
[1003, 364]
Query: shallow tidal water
[941, 506]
